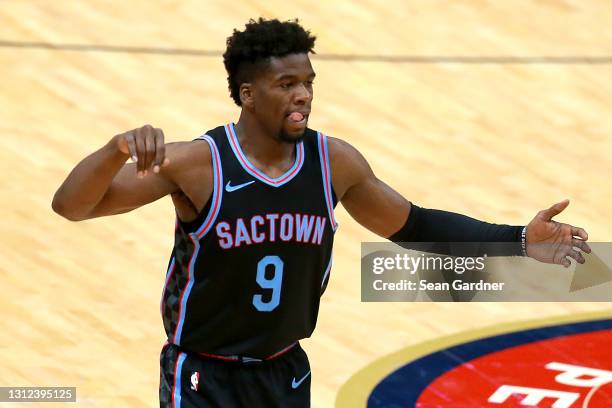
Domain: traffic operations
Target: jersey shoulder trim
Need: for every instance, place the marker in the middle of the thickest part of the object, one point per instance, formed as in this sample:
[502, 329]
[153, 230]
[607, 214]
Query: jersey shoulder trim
[326, 175]
[217, 194]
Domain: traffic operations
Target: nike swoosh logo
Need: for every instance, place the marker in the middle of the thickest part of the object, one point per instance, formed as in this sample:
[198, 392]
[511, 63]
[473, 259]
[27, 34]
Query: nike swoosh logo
[295, 384]
[230, 188]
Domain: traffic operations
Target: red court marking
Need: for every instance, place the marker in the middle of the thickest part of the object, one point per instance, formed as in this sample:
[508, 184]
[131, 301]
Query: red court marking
[472, 383]
[599, 397]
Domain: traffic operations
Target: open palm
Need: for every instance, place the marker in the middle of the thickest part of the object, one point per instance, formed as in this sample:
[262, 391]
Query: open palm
[552, 242]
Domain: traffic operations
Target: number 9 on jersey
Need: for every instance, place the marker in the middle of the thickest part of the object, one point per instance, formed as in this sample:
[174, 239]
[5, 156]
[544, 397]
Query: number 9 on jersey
[274, 283]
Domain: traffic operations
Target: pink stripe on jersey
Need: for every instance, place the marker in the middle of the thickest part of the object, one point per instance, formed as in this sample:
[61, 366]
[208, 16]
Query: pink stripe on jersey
[174, 385]
[326, 178]
[176, 337]
[217, 188]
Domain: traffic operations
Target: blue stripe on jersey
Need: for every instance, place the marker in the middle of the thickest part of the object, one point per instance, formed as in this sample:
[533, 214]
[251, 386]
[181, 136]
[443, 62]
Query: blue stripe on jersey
[176, 399]
[217, 193]
[329, 264]
[187, 290]
[326, 175]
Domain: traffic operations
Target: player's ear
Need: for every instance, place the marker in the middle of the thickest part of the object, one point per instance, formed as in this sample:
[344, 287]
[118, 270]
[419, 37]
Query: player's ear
[246, 94]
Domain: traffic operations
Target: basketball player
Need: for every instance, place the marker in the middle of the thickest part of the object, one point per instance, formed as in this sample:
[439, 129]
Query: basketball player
[255, 225]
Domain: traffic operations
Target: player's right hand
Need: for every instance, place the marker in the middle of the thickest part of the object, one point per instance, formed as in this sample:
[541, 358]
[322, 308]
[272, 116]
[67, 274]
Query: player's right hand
[146, 147]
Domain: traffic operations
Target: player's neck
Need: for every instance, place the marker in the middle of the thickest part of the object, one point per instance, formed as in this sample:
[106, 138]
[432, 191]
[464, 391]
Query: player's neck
[260, 146]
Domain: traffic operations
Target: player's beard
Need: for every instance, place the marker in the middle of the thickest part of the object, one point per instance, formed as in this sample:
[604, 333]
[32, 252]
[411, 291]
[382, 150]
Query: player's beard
[287, 138]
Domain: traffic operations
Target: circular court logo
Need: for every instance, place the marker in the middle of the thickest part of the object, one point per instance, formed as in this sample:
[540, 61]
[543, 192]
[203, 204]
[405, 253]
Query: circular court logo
[566, 365]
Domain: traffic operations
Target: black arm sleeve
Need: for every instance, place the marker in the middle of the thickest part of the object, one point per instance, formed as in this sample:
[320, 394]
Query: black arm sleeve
[439, 228]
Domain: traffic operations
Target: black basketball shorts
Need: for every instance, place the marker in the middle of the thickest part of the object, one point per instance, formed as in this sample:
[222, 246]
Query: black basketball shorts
[189, 380]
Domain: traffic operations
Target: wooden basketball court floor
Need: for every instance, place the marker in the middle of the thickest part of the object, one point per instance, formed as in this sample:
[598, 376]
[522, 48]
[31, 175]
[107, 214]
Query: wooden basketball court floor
[497, 139]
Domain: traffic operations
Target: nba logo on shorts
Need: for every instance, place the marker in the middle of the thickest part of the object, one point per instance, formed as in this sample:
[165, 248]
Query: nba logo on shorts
[195, 379]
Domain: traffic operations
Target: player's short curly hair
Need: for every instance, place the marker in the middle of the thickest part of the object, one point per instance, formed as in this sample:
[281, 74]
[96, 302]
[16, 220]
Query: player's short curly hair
[250, 50]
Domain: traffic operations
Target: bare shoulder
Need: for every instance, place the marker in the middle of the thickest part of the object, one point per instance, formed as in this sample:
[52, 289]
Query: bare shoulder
[186, 157]
[347, 165]
[186, 152]
[340, 149]
[190, 168]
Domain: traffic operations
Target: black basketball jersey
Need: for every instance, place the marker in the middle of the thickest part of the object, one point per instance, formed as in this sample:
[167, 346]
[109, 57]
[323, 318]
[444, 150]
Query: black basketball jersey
[245, 278]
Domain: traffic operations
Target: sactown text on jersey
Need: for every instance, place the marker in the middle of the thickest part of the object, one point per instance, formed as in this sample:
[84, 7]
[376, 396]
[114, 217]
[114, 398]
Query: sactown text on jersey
[270, 228]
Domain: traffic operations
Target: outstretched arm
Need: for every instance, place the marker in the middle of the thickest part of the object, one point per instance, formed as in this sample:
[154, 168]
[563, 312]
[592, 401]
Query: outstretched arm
[385, 212]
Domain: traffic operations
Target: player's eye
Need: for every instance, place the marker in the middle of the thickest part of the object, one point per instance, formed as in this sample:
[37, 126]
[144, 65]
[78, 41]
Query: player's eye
[285, 85]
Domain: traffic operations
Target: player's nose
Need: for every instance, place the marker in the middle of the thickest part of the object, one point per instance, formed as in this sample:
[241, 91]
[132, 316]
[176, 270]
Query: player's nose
[302, 95]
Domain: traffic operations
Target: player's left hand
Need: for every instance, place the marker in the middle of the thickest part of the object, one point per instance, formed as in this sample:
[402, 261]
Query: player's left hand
[552, 242]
